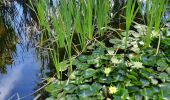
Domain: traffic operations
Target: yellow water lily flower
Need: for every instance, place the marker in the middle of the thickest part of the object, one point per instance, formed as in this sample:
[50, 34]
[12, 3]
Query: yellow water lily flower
[112, 89]
[107, 71]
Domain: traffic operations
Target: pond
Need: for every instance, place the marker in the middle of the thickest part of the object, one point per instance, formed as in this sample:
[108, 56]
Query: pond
[78, 55]
[20, 69]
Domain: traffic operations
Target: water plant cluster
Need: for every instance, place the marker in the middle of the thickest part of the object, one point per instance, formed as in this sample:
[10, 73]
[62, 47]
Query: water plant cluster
[94, 60]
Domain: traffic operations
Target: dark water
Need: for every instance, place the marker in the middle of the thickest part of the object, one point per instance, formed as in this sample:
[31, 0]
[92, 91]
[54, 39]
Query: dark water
[20, 70]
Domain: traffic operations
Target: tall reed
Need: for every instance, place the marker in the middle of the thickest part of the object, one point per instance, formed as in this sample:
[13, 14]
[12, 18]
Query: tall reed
[130, 15]
[71, 17]
[154, 12]
[102, 9]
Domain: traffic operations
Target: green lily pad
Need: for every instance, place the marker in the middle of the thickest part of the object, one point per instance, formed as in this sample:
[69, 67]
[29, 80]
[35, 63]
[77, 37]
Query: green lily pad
[164, 76]
[63, 65]
[144, 82]
[89, 73]
[70, 88]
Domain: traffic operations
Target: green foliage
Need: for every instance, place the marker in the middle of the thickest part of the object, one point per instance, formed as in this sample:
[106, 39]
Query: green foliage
[154, 12]
[130, 15]
[106, 74]
[69, 18]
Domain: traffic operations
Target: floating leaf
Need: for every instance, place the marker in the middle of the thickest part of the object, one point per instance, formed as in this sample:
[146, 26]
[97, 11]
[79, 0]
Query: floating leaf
[133, 89]
[63, 65]
[70, 88]
[89, 73]
[164, 76]
[144, 82]
[168, 70]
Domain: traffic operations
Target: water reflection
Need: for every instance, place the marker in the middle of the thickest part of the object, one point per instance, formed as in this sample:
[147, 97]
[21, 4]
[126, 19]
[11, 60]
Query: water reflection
[8, 41]
[21, 71]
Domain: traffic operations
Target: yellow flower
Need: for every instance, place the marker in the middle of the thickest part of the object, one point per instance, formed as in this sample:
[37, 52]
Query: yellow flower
[112, 90]
[107, 71]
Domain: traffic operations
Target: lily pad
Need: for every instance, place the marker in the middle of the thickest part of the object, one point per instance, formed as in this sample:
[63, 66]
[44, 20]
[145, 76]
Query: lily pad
[89, 73]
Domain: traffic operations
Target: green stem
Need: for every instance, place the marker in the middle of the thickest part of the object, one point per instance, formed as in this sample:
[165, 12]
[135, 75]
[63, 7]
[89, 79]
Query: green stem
[157, 50]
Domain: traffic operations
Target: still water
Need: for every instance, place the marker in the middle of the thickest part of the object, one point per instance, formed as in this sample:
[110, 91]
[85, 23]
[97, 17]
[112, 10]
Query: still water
[20, 70]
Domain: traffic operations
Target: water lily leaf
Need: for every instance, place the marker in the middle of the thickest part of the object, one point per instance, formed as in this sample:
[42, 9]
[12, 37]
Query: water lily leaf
[129, 33]
[79, 80]
[144, 82]
[142, 29]
[145, 74]
[82, 66]
[76, 62]
[132, 77]
[50, 98]
[138, 97]
[155, 89]
[115, 41]
[149, 71]
[94, 88]
[168, 70]
[120, 77]
[134, 72]
[150, 61]
[84, 86]
[82, 58]
[70, 88]
[135, 34]
[85, 93]
[89, 73]
[97, 86]
[71, 97]
[165, 90]
[73, 75]
[50, 87]
[123, 93]
[63, 65]
[104, 79]
[154, 81]
[148, 92]
[92, 60]
[132, 89]
[162, 64]
[164, 76]
[98, 51]
[54, 87]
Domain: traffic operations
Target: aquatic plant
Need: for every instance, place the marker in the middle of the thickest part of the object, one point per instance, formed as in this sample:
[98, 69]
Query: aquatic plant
[71, 18]
[97, 76]
[130, 15]
[154, 12]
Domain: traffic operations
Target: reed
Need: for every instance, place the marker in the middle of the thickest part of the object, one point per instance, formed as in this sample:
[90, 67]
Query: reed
[130, 15]
[102, 9]
[154, 12]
